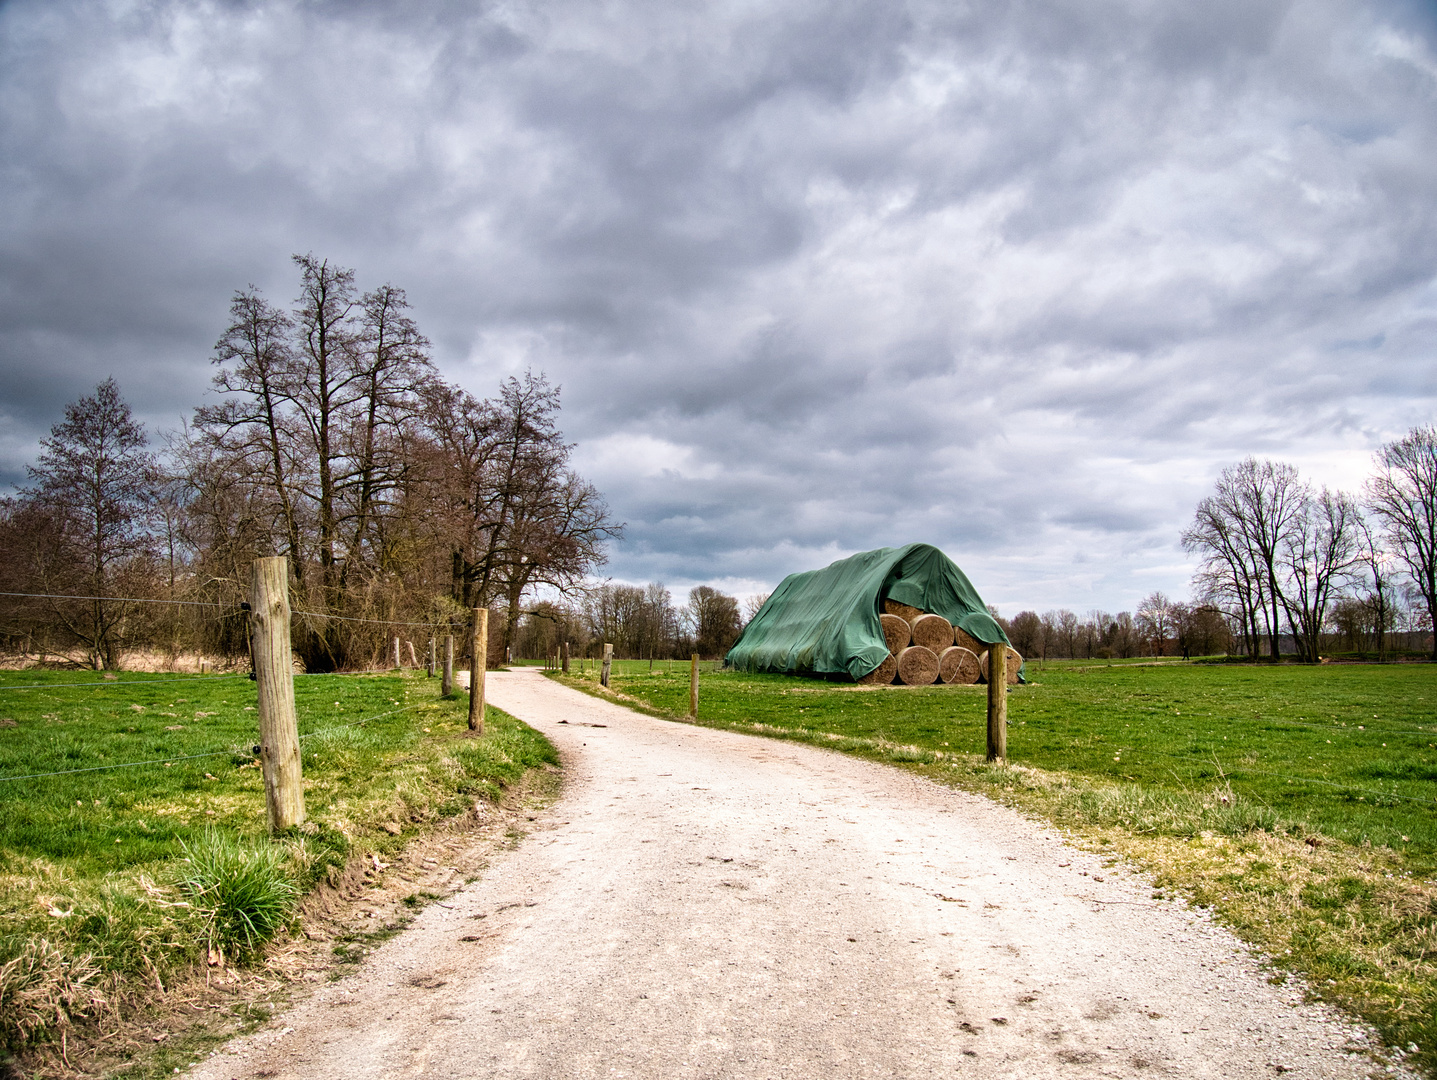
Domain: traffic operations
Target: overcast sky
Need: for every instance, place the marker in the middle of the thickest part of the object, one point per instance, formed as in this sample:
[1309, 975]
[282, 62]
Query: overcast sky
[1016, 279]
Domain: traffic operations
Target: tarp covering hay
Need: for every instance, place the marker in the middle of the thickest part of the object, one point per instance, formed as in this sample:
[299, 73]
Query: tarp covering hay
[827, 622]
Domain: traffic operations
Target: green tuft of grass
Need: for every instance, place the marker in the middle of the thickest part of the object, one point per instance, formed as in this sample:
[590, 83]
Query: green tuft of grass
[246, 892]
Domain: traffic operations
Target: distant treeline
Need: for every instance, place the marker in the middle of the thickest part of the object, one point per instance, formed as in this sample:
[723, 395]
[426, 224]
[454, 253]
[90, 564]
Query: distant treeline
[398, 497]
[640, 622]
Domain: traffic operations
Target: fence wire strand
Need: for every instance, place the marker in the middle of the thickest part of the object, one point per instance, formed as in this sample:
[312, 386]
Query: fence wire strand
[114, 599]
[207, 754]
[108, 683]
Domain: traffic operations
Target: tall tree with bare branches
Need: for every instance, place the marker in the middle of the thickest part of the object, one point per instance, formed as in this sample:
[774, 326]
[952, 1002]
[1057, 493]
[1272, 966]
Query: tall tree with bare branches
[95, 485]
[1404, 495]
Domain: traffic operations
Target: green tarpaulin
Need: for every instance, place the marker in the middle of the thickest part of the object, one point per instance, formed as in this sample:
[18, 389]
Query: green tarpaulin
[825, 622]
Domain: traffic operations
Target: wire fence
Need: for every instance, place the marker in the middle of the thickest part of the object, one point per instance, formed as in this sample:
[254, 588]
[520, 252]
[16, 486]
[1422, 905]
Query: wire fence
[584, 663]
[231, 752]
[233, 608]
[106, 684]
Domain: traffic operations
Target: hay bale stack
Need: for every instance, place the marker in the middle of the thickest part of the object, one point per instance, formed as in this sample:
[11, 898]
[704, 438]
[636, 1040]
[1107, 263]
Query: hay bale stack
[918, 666]
[903, 611]
[883, 674]
[896, 632]
[933, 632]
[957, 665]
[968, 641]
[1014, 663]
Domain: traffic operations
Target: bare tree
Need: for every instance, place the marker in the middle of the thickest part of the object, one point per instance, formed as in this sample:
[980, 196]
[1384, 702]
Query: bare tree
[95, 484]
[1156, 622]
[1240, 532]
[250, 431]
[1378, 584]
[1025, 632]
[1048, 642]
[1068, 632]
[1228, 575]
[1404, 495]
[1091, 631]
[1318, 550]
[715, 619]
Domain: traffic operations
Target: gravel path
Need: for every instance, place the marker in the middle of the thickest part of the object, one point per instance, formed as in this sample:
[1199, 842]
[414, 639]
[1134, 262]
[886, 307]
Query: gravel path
[706, 904]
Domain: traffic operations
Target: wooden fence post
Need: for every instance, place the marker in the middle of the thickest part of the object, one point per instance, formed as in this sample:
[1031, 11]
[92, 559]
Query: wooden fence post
[413, 659]
[608, 663]
[274, 677]
[477, 665]
[566, 658]
[446, 682]
[429, 669]
[998, 702]
[694, 686]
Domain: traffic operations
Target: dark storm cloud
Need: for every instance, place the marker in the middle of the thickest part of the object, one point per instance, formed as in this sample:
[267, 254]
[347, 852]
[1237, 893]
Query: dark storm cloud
[1010, 277]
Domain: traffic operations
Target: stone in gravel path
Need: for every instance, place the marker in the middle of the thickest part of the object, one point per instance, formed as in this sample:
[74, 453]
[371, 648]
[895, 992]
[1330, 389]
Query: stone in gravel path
[705, 904]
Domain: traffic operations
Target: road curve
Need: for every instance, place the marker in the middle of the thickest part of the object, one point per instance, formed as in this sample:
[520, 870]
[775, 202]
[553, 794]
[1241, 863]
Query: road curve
[705, 904]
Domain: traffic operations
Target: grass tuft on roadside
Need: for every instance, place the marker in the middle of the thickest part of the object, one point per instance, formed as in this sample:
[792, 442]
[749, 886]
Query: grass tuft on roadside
[244, 891]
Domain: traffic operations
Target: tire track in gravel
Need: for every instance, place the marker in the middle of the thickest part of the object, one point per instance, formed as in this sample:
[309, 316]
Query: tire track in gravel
[701, 903]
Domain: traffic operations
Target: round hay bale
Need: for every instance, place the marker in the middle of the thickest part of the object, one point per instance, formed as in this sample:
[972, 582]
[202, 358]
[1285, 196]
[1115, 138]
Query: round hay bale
[933, 632]
[883, 674]
[968, 641]
[1015, 661]
[958, 665]
[903, 611]
[896, 632]
[917, 666]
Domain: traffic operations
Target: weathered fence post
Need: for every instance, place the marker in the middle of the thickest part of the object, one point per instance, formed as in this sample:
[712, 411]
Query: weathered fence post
[998, 702]
[608, 662]
[446, 681]
[694, 686]
[413, 659]
[274, 677]
[429, 669]
[477, 664]
[566, 658]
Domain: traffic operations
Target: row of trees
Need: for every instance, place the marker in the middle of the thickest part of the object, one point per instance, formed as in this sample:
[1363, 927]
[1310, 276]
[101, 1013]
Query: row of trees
[1160, 627]
[397, 496]
[1282, 557]
[640, 622]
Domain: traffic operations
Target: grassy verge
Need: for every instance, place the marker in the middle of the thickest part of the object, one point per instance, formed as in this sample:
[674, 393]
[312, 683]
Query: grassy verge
[115, 881]
[1298, 803]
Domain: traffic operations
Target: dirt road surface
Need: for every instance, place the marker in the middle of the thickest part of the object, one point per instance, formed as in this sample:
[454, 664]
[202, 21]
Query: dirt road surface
[705, 904]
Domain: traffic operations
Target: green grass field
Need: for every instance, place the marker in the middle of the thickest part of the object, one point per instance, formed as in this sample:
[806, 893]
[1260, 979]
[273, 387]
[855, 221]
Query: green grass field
[1300, 803]
[103, 785]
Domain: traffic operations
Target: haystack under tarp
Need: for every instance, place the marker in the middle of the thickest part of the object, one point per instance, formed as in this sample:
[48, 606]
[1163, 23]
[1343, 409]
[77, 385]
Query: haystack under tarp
[825, 622]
